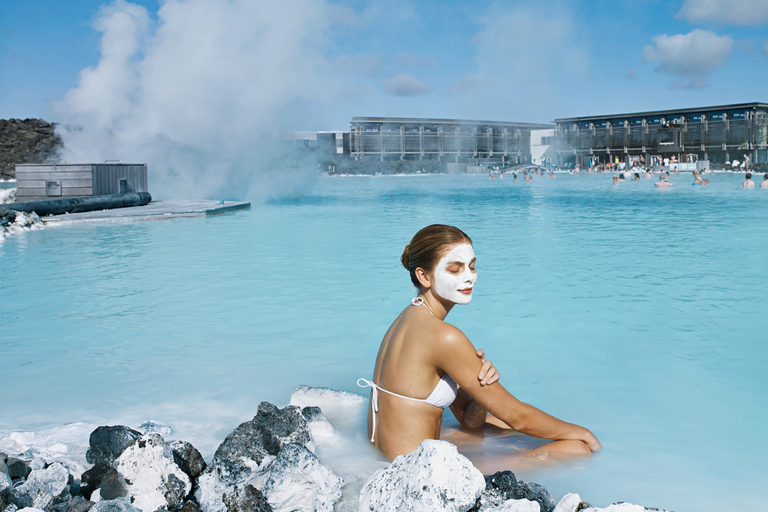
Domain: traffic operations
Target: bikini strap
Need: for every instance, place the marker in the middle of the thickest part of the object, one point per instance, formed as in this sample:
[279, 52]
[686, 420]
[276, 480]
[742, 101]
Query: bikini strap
[418, 301]
[375, 399]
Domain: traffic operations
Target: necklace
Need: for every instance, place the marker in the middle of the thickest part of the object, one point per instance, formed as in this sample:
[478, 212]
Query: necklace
[418, 301]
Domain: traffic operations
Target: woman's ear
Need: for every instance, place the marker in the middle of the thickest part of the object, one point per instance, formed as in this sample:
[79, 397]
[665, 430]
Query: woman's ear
[423, 278]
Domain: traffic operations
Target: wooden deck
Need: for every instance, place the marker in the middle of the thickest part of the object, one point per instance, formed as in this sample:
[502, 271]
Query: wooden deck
[156, 210]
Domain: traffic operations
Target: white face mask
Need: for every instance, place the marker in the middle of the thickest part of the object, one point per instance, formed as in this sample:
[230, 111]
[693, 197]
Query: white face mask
[454, 280]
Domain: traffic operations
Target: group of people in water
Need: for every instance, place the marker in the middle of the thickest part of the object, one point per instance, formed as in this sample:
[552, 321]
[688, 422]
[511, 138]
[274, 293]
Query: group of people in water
[665, 181]
[748, 183]
[526, 174]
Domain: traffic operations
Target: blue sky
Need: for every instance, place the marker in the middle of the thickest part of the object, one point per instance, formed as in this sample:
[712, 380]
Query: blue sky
[516, 61]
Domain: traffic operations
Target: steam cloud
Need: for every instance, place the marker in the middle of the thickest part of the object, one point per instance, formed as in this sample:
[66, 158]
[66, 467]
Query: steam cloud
[192, 93]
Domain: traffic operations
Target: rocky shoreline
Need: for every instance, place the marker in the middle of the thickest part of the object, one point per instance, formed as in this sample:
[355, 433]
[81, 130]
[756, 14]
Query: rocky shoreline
[267, 464]
[12, 222]
[26, 141]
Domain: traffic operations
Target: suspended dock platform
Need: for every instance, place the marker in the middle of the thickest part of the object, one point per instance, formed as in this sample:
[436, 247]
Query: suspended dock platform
[155, 210]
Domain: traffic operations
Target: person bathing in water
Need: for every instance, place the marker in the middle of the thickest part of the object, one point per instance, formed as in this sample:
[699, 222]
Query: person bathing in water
[425, 364]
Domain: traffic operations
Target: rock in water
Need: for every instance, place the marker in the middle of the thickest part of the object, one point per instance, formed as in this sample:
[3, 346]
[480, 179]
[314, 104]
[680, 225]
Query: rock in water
[113, 486]
[154, 427]
[511, 506]
[91, 479]
[622, 507]
[43, 486]
[271, 429]
[245, 455]
[155, 481]
[17, 468]
[188, 459]
[5, 482]
[568, 503]
[189, 506]
[503, 486]
[247, 499]
[433, 477]
[107, 443]
[79, 504]
[297, 481]
[117, 505]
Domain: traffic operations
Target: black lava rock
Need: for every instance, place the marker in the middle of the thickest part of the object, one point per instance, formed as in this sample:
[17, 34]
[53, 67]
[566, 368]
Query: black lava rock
[503, 482]
[509, 487]
[91, 479]
[113, 486]
[247, 499]
[60, 507]
[536, 492]
[107, 443]
[311, 412]
[79, 504]
[189, 506]
[17, 468]
[188, 459]
[264, 435]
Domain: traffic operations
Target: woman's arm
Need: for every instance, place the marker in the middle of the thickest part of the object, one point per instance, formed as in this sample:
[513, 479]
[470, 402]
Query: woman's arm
[466, 409]
[456, 356]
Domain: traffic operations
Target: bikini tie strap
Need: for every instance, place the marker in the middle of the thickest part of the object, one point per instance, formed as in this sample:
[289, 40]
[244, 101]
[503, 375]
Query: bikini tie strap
[374, 401]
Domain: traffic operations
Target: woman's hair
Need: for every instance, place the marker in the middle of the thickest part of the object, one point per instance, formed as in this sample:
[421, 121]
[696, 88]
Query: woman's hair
[425, 247]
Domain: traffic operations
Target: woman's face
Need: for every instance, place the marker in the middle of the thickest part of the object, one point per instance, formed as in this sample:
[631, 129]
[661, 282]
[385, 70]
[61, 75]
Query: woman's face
[455, 274]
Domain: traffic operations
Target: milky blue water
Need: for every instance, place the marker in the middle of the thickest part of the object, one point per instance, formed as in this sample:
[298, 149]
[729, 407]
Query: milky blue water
[639, 313]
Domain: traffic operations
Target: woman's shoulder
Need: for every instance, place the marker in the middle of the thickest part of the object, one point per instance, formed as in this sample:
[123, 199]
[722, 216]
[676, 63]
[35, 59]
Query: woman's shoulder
[448, 334]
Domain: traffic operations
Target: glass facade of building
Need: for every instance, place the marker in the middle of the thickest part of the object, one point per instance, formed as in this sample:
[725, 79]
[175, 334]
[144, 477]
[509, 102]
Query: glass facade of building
[445, 140]
[719, 134]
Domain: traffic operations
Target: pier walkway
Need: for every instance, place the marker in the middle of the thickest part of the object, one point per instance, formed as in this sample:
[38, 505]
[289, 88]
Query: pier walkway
[156, 210]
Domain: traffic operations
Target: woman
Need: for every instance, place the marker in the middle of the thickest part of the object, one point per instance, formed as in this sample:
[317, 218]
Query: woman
[423, 356]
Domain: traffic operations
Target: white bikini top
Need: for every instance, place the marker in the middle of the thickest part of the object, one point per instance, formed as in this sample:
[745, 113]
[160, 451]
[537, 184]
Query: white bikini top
[442, 396]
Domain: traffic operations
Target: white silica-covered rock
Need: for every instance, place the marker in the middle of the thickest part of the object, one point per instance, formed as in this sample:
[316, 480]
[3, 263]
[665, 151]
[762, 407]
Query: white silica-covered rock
[512, 506]
[622, 507]
[155, 480]
[209, 490]
[568, 503]
[5, 482]
[433, 477]
[50, 481]
[297, 481]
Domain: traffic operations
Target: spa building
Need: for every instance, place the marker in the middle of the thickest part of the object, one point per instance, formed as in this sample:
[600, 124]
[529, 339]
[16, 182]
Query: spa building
[453, 141]
[716, 134]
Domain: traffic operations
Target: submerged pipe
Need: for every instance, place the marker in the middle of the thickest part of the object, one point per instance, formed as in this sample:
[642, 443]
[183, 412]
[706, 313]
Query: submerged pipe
[81, 204]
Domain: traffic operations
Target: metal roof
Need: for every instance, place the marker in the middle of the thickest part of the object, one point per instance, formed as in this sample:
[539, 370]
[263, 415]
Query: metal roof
[465, 122]
[735, 106]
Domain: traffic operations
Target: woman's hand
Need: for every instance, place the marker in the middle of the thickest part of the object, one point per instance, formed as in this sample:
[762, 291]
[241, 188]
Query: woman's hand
[591, 441]
[488, 373]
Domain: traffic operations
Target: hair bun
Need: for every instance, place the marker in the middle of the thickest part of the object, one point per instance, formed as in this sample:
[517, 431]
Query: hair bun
[404, 259]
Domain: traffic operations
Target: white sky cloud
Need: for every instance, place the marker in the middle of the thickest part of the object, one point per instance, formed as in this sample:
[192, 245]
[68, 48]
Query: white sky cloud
[725, 12]
[406, 85]
[690, 56]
